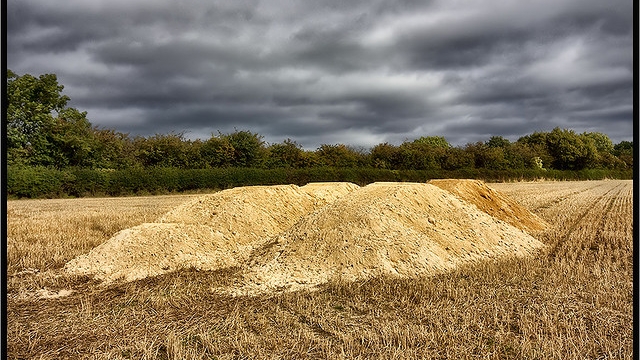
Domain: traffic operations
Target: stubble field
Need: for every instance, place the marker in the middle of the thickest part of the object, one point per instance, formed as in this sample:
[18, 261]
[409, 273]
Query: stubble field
[572, 301]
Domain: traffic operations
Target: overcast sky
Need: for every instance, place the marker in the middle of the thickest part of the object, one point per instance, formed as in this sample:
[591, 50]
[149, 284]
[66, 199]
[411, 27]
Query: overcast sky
[356, 72]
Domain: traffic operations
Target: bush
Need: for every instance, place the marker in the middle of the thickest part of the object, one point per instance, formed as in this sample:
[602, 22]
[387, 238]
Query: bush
[43, 182]
[37, 182]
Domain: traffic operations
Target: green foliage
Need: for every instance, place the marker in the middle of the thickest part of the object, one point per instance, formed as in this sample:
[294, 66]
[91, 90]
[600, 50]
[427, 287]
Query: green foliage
[53, 150]
[498, 142]
[487, 157]
[248, 148]
[71, 140]
[601, 141]
[113, 150]
[433, 141]
[337, 156]
[37, 182]
[569, 150]
[419, 155]
[162, 150]
[44, 182]
[385, 156]
[537, 163]
[217, 152]
[31, 104]
[624, 152]
[287, 154]
[457, 158]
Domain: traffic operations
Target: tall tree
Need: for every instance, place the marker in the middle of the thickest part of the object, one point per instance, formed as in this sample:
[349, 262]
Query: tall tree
[32, 104]
[498, 142]
[248, 148]
[385, 156]
[624, 151]
[571, 151]
[338, 155]
[217, 152]
[287, 154]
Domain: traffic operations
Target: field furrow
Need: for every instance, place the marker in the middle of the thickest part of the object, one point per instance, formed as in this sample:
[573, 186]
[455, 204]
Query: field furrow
[537, 196]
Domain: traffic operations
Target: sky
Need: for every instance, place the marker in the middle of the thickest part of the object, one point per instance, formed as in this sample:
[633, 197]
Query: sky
[357, 72]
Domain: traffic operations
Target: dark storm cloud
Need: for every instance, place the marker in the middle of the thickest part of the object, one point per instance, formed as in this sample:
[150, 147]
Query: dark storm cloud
[357, 72]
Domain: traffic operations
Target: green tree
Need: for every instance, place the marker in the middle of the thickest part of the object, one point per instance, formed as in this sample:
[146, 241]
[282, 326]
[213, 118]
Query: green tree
[487, 157]
[534, 146]
[287, 154]
[248, 148]
[624, 151]
[433, 141]
[338, 155]
[523, 156]
[498, 142]
[70, 140]
[606, 157]
[217, 152]
[421, 155]
[162, 150]
[601, 141]
[457, 158]
[113, 149]
[32, 104]
[385, 156]
[571, 151]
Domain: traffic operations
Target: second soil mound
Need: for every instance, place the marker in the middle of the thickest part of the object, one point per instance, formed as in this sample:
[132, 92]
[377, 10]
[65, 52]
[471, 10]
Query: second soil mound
[400, 229]
[492, 202]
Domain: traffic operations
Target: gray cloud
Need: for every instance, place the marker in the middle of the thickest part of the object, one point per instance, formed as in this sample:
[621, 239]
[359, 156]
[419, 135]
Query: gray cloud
[357, 72]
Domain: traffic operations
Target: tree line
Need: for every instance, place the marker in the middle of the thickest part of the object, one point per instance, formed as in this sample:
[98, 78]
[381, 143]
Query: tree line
[41, 130]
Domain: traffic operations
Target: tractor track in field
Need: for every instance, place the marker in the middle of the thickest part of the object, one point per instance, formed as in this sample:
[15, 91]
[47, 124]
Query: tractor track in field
[563, 237]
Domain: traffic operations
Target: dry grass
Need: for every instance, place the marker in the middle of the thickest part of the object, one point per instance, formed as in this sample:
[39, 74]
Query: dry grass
[573, 302]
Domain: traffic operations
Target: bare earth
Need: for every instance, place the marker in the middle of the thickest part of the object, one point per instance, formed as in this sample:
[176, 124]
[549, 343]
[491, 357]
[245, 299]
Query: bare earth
[288, 237]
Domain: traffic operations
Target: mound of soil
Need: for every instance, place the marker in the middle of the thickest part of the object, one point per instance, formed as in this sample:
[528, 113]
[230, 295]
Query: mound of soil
[209, 232]
[329, 191]
[399, 229]
[289, 237]
[253, 213]
[492, 202]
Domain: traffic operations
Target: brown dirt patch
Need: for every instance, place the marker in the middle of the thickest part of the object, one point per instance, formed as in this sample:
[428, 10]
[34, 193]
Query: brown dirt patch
[397, 229]
[492, 202]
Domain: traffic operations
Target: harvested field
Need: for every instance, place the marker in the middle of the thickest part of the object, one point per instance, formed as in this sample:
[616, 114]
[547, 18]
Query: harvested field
[572, 300]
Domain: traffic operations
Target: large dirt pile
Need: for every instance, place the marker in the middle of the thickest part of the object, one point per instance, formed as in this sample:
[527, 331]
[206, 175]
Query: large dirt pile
[209, 232]
[398, 229]
[288, 237]
[492, 202]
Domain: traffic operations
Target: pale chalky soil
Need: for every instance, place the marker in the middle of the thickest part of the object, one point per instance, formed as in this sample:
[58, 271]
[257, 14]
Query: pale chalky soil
[288, 237]
[398, 229]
